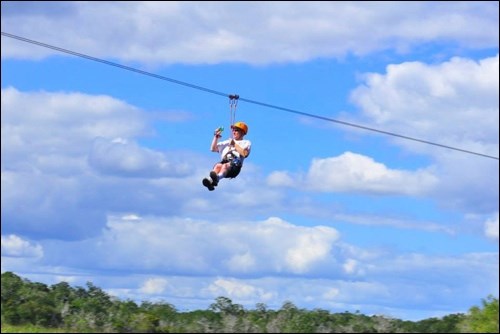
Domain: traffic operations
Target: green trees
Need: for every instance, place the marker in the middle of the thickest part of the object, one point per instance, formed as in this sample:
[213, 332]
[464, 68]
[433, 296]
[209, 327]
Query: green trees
[483, 320]
[226, 306]
[11, 288]
[90, 309]
[26, 302]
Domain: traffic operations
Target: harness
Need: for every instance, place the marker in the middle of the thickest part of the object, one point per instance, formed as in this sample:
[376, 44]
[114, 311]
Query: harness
[232, 158]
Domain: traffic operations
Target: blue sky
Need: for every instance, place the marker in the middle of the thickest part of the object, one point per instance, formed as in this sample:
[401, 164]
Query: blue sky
[102, 167]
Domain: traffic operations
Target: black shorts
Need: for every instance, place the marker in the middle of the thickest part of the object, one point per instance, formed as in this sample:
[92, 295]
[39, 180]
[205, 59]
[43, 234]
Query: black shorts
[234, 167]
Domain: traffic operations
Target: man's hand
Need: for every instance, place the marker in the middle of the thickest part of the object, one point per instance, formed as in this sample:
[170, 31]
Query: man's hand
[243, 152]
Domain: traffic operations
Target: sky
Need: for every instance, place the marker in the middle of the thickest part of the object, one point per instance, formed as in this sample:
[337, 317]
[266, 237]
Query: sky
[372, 183]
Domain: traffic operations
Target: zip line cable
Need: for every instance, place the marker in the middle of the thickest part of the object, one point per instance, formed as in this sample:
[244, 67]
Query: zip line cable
[112, 64]
[367, 128]
[240, 98]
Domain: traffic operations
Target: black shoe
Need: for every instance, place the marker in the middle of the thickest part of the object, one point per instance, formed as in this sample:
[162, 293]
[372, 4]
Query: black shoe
[215, 178]
[206, 182]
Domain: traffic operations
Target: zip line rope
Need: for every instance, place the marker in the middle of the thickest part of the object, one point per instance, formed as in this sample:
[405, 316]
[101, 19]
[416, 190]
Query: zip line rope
[267, 105]
[233, 104]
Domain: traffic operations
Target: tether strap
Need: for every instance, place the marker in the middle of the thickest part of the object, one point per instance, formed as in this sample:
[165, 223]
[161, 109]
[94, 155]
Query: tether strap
[233, 103]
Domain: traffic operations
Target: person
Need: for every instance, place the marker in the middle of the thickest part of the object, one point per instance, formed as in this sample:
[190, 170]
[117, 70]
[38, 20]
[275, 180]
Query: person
[233, 152]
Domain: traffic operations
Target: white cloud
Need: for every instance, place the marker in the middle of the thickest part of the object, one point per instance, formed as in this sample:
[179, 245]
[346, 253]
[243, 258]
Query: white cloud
[242, 262]
[351, 266]
[280, 179]
[234, 289]
[52, 146]
[351, 172]
[454, 103]
[42, 126]
[14, 246]
[310, 248]
[355, 172]
[154, 286]
[214, 32]
[197, 246]
[491, 227]
[119, 157]
[331, 293]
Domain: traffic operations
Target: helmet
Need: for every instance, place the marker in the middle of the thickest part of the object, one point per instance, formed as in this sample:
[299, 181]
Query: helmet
[240, 125]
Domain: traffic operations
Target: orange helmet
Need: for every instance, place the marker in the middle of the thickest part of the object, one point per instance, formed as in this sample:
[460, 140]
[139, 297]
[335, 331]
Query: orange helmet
[240, 125]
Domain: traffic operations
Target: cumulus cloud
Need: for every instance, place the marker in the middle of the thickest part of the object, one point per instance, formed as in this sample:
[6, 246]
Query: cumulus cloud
[454, 103]
[351, 172]
[38, 127]
[195, 246]
[55, 144]
[310, 248]
[214, 32]
[120, 157]
[15, 246]
[355, 172]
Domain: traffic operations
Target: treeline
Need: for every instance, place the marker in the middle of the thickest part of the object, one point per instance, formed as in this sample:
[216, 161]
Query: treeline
[90, 309]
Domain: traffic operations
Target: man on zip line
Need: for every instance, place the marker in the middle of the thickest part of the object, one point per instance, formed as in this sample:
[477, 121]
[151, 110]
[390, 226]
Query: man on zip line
[233, 153]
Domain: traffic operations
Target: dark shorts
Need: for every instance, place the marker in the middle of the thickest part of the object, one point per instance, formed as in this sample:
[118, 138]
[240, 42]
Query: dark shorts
[234, 167]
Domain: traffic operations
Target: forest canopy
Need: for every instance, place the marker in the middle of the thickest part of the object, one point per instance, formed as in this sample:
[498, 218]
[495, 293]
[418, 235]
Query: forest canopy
[81, 309]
